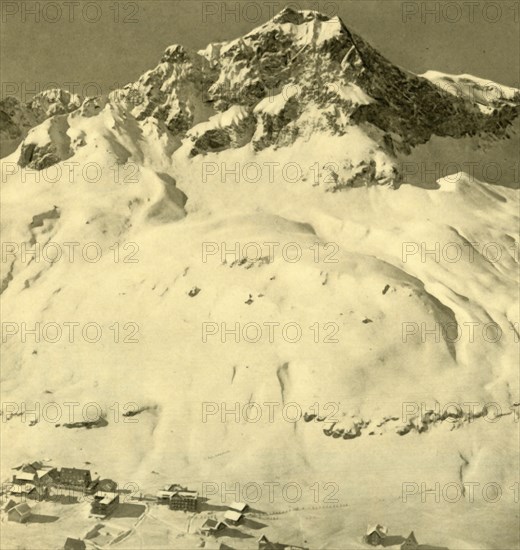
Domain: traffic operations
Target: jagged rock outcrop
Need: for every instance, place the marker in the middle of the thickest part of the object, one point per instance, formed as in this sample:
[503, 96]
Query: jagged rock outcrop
[18, 118]
[231, 129]
[46, 144]
[173, 92]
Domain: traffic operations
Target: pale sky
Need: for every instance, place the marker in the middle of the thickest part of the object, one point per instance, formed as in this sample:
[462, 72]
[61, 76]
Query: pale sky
[107, 44]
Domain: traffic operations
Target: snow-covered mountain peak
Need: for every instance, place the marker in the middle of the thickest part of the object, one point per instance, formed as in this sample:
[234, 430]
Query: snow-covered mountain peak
[299, 75]
[305, 27]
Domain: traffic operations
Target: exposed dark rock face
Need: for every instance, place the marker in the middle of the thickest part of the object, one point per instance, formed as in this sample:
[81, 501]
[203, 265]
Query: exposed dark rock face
[173, 92]
[17, 118]
[38, 158]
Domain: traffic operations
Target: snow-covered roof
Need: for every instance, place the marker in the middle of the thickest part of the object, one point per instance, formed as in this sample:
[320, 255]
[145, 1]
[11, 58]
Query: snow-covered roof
[6, 506]
[411, 537]
[377, 528]
[213, 524]
[25, 476]
[188, 494]
[23, 509]
[238, 506]
[105, 497]
[165, 494]
[232, 515]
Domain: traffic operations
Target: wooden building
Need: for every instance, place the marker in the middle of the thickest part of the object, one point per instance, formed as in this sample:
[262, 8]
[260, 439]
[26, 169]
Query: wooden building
[104, 504]
[19, 513]
[7, 505]
[233, 518]
[74, 478]
[375, 534]
[184, 500]
[212, 527]
[240, 507]
[410, 543]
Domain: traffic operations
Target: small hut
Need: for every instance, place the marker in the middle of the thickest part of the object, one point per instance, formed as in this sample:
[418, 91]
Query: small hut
[74, 544]
[19, 513]
[212, 526]
[376, 534]
[233, 518]
[104, 504]
[6, 506]
[410, 543]
[240, 507]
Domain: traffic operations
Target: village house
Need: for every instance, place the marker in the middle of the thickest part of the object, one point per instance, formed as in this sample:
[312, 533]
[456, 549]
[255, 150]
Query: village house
[74, 544]
[29, 467]
[74, 478]
[375, 534]
[233, 518]
[104, 504]
[19, 513]
[184, 500]
[240, 507]
[6, 506]
[32, 481]
[410, 543]
[35, 471]
[46, 475]
[212, 527]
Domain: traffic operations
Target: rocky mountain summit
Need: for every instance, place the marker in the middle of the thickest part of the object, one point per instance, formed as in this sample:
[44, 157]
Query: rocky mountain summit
[298, 75]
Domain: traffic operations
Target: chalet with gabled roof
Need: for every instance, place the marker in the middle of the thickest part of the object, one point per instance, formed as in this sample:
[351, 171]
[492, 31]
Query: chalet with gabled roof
[7, 505]
[104, 504]
[74, 478]
[410, 543]
[375, 534]
[212, 527]
[233, 518]
[19, 513]
[240, 507]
